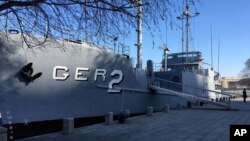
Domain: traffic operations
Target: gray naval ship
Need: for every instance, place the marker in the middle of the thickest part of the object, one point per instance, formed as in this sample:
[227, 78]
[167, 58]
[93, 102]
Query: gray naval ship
[80, 80]
[67, 78]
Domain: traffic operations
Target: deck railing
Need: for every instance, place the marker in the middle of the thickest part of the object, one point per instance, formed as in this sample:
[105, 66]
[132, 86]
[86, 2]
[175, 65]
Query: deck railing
[211, 95]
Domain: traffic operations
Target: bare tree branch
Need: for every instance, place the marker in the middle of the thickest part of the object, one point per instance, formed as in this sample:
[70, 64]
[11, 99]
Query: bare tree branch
[10, 4]
[246, 70]
[92, 20]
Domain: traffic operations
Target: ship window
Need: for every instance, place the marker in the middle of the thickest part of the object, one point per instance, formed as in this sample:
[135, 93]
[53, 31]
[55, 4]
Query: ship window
[182, 55]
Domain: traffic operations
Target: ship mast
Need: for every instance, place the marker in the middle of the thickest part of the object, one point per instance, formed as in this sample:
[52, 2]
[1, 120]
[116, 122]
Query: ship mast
[139, 34]
[186, 15]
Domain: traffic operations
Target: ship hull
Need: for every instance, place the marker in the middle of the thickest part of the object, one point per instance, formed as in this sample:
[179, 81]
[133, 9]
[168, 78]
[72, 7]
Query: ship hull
[74, 81]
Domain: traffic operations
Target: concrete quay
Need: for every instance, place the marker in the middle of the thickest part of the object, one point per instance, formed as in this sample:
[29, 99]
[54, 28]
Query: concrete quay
[206, 123]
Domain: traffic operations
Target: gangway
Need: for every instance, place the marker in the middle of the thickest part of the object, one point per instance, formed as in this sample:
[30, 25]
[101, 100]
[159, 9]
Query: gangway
[166, 87]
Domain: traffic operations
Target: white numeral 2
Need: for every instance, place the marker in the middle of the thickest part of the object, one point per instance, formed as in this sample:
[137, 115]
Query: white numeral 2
[115, 81]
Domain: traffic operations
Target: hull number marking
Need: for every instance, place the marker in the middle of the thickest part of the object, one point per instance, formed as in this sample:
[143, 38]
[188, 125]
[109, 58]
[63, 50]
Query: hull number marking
[79, 76]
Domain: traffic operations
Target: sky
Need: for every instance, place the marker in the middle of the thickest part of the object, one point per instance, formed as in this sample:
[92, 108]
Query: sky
[229, 23]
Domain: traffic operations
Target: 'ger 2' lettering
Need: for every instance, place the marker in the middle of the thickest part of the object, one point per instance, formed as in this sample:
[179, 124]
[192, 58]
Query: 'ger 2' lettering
[79, 76]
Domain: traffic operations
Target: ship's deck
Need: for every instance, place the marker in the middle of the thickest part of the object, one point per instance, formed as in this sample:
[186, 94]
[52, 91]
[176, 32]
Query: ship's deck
[194, 124]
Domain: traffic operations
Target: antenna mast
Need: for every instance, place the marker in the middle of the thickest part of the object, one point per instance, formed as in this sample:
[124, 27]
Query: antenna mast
[187, 15]
[219, 56]
[211, 46]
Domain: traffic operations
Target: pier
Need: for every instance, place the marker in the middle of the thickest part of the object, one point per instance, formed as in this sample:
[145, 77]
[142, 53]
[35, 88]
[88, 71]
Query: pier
[200, 123]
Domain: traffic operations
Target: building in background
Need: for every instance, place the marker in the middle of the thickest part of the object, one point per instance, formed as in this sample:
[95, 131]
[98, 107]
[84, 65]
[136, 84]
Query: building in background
[232, 83]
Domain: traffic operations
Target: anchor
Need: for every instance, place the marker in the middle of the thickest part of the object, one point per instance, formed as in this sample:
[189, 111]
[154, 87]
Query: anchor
[26, 73]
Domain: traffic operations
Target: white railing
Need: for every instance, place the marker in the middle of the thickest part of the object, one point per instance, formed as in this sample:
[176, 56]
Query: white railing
[191, 90]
